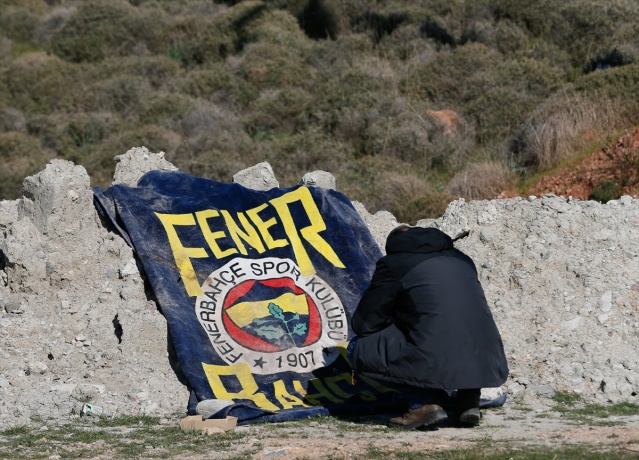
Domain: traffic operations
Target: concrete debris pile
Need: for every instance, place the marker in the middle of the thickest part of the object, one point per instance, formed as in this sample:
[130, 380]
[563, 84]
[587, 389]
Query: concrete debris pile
[78, 330]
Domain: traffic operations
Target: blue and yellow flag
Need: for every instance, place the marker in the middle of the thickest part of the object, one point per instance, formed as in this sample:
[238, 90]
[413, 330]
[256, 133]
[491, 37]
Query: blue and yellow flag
[258, 289]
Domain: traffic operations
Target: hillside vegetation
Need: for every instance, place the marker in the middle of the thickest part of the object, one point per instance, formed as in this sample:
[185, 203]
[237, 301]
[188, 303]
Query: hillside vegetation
[410, 104]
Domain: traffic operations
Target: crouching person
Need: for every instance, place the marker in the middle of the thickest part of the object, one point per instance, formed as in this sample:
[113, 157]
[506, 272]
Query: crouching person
[424, 325]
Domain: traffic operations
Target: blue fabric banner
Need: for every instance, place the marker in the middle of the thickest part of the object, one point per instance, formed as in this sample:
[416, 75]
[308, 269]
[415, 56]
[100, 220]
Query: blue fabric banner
[258, 289]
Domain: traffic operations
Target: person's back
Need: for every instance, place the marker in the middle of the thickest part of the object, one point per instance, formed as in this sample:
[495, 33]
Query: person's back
[424, 320]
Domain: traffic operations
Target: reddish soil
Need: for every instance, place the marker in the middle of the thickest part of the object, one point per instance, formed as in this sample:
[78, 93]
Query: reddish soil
[618, 162]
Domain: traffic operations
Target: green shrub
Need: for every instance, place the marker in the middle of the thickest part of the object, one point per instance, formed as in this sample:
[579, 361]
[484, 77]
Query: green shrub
[492, 92]
[587, 28]
[404, 44]
[500, 97]
[123, 95]
[582, 28]
[504, 35]
[212, 142]
[222, 85]
[51, 23]
[99, 28]
[404, 135]
[537, 16]
[322, 19]
[81, 132]
[409, 133]
[213, 163]
[444, 76]
[5, 56]
[159, 71]
[207, 119]
[410, 199]
[163, 108]
[21, 155]
[276, 27]
[12, 119]
[497, 111]
[279, 111]
[605, 191]
[40, 83]
[362, 89]
[47, 128]
[20, 48]
[218, 84]
[74, 136]
[624, 157]
[329, 56]
[620, 84]
[18, 24]
[99, 161]
[198, 40]
[359, 179]
[553, 56]
[266, 65]
[293, 156]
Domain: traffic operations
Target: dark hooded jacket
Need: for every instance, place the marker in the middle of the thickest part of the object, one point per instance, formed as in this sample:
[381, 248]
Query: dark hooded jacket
[424, 320]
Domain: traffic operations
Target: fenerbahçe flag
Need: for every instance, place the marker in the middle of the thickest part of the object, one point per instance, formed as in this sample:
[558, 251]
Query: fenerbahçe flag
[258, 289]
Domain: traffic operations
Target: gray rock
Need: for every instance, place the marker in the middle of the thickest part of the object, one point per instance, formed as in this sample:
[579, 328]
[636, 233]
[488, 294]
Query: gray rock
[130, 268]
[516, 388]
[606, 302]
[319, 179]
[258, 177]
[545, 391]
[572, 324]
[54, 195]
[34, 368]
[136, 162]
[208, 407]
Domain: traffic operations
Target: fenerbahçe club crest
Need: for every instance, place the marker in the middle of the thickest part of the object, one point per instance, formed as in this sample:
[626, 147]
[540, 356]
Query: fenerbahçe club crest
[265, 313]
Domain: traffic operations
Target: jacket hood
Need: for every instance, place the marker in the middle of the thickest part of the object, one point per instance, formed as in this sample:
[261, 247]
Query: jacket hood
[419, 239]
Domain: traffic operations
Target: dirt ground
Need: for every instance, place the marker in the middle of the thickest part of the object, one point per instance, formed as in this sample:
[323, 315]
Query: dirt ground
[524, 426]
[508, 428]
[608, 163]
[511, 428]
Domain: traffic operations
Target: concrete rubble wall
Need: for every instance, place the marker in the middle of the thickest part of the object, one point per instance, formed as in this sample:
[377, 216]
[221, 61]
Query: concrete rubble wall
[77, 324]
[562, 280]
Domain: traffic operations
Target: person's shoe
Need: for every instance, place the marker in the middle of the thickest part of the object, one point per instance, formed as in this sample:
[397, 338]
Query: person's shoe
[467, 413]
[470, 417]
[426, 415]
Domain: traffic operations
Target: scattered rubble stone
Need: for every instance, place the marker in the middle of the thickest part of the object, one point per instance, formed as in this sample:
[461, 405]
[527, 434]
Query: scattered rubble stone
[76, 325]
[135, 163]
[258, 177]
[319, 179]
[208, 407]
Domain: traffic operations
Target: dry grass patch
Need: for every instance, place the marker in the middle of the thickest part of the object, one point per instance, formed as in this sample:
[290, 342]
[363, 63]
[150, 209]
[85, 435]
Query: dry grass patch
[564, 126]
[482, 181]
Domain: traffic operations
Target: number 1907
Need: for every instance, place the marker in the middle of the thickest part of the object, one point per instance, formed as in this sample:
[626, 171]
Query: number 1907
[303, 359]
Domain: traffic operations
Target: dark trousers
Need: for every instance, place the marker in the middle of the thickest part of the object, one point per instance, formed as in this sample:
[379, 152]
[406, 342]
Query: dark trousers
[467, 399]
[458, 401]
